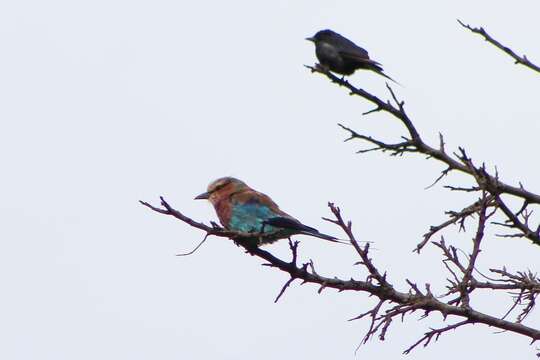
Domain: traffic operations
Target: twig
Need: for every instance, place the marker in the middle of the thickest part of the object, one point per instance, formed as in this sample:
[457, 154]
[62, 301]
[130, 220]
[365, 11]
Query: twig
[196, 247]
[428, 336]
[517, 59]
[526, 232]
[455, 216]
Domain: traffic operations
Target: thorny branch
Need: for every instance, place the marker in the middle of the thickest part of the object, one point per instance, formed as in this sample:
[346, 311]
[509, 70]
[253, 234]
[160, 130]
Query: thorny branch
[517, 59]
[428, 336]
[392, 302]
[455, 217]
[459, 161]
[524, 286]
[514, 221]
[416, 144]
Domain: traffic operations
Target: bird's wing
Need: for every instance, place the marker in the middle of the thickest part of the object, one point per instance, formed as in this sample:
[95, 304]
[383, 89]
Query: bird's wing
[347, 48]
[357, 54]
[250, 196]
[250, 209]
[350, 51]
[353, 49]
[343, 43]
[255, 206]
[253, 210]
[371, 64]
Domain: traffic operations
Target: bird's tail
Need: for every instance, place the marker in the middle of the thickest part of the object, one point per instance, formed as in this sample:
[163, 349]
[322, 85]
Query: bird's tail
[325, 237]
[293, 224]
[386, 76]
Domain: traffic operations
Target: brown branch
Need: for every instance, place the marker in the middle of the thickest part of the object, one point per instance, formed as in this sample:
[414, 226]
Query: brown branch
[373, 321]
[294, 250]
[363, 252]
[417, 144]
[529, 289]
[426, 339]
[455, 216]
[464, 285]
[524, 229]
[526, 284]
[395, 149]
[405, 302]
[517, 59]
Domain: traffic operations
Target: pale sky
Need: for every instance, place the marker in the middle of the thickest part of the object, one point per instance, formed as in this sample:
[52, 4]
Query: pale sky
[104, 103]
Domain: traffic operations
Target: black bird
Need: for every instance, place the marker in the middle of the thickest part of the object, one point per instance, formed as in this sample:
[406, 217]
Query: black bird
[340, 55]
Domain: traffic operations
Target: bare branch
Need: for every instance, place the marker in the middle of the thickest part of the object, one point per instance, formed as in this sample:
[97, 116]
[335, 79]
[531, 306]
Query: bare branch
[417, 144]
[517, 59]
[528, 285]
[525, 231]
[404, 302]
[395, 149]
[426, 339]
[195, 249]
[294, 251]
[455, 216]
[467, 275]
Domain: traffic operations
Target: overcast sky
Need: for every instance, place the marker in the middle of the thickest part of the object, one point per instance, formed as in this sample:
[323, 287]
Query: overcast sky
[104, 103]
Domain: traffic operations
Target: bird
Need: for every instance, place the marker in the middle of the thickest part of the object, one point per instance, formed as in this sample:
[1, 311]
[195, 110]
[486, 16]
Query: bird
[340, 55]
[243, 209]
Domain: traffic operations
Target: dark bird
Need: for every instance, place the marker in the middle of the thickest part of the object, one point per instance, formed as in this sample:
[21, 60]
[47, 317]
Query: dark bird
[243, 209]
[340, 55]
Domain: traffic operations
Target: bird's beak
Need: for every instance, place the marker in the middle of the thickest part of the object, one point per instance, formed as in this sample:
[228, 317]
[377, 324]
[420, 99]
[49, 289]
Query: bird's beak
[202, 196]
[312, 39]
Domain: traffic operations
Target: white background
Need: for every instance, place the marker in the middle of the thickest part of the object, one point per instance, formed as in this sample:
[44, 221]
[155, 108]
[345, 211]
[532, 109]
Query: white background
[103, 103]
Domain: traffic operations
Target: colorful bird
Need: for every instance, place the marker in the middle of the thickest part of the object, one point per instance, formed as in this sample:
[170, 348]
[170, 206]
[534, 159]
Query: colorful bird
[340, 55]
[243, 209]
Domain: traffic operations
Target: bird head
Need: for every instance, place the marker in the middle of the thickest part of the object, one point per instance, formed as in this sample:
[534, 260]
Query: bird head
[322, 36]
[221, 187]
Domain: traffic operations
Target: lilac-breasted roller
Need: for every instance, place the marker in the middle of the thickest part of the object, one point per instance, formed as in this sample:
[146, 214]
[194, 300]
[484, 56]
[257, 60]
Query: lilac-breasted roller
[243, 209]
